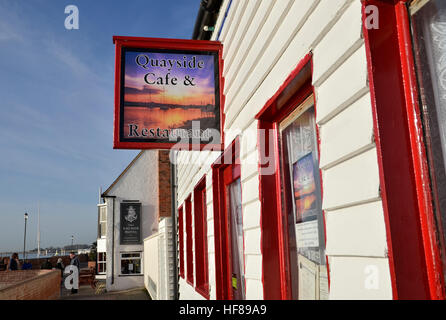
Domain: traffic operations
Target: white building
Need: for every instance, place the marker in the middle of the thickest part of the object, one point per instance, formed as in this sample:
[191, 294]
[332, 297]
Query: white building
[349, 208]
[131, 212]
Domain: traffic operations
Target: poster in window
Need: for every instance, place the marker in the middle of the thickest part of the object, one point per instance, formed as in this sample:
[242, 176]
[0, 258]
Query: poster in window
[304, 183]
[130, 223]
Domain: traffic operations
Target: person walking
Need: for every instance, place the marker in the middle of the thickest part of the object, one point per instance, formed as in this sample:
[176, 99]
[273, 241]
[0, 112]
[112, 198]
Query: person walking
[74, 262]
[14, 262]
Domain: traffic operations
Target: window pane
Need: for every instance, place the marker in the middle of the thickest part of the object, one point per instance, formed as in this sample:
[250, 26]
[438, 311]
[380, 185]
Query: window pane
[236, 228]
[102, 267]
[303, 205]
[130, 266]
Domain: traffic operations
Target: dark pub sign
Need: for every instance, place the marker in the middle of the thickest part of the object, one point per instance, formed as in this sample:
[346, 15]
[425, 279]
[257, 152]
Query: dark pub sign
[168, 94]
[130, 231]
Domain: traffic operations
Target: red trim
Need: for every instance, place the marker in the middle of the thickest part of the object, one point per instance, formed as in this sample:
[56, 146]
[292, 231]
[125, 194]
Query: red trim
[421, 168]
[413, 256]
[201, 244]
[189, 243]
[230, 158]
[181, 239]
[276, 275]
[174, 44]
[271, 105]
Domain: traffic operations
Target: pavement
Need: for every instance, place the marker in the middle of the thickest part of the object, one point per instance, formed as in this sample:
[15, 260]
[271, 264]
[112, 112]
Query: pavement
[86, 292]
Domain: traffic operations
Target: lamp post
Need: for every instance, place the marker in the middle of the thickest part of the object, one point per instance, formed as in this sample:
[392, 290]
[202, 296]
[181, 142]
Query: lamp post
[24, 238]
[72, 241]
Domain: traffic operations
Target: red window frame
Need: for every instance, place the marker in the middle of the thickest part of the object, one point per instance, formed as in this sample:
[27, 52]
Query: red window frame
[181, 240]
[189, 243]
[201, 243]
[295, 90]
[229, 158]
[414, 257]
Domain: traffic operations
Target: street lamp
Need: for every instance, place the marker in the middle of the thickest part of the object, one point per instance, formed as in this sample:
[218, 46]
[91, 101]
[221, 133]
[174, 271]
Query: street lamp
[24, 238]
[72, 240]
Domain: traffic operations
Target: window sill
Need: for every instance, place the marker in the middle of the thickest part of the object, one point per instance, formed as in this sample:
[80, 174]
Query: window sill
[131, 275]
[204, 292]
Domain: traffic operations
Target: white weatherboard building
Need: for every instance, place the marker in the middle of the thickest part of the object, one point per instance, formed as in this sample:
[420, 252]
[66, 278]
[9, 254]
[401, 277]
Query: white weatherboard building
[339, 202]
[131, 214]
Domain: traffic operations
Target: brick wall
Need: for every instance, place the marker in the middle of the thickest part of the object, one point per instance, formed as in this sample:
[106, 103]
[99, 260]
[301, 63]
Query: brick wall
[30, 285]
[164, 192]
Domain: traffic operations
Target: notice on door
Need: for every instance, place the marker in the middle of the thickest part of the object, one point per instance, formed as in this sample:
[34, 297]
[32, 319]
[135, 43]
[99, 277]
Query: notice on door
[307, 234]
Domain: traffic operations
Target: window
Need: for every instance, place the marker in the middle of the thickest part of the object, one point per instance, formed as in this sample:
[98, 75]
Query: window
[292, 243]
[429, 37]
[302, 203]
[102, 230]
[102, 262]
[130, 263]
[234, 210]
[181, 240]
[189, 243]
[201, 246]
[228, 225]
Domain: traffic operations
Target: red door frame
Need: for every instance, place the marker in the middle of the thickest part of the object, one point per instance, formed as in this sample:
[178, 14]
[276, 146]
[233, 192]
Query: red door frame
[276, 276]
[189, 242]
[181, 239]
[414, 257]
[201, 244]
[230, 158]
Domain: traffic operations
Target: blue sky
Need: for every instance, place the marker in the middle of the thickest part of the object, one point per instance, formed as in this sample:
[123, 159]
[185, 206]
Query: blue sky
[56, 109]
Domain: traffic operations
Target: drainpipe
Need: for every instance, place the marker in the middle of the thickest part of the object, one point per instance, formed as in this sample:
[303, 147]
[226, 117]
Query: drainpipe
[113, 239]
[173, 188]
[206, 17]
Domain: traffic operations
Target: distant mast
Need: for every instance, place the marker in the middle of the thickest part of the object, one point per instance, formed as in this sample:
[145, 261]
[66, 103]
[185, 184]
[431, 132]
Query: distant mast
[38, 231]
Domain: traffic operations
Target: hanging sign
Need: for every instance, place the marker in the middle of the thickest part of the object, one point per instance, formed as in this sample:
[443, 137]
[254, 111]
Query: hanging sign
[168, 94]
[130, 230]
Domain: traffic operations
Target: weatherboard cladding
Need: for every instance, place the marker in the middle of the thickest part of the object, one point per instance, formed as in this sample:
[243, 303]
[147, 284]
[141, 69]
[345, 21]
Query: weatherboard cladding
[263, 42]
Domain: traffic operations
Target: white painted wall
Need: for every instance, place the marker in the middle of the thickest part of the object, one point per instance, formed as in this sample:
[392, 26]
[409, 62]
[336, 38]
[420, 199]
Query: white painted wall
[159, 258]
[138, 183]
[151, 265]
[166, 256]
[264, 40]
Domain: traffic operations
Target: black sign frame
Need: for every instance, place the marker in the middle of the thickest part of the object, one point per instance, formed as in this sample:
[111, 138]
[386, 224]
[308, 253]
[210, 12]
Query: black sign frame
[130, 217]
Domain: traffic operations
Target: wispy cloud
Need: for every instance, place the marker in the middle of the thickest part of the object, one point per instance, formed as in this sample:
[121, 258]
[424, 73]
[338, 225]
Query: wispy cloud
[69, 59]
[8, 32]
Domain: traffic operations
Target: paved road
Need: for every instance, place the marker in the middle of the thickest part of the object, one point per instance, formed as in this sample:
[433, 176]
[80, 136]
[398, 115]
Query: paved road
[88, 293]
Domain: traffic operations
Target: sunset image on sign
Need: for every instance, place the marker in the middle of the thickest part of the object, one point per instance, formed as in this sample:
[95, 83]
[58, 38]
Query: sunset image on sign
[304, 187]
[166, 91]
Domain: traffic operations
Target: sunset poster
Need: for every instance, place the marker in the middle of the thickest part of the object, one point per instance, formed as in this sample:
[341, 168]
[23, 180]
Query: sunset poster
[169, 96]
[304, 187]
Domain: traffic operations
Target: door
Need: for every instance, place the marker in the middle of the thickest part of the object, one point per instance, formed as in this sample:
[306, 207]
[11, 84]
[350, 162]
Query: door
[302, 204]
